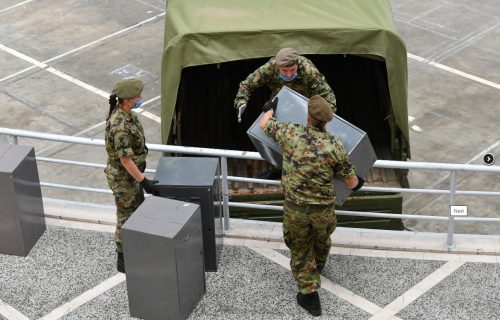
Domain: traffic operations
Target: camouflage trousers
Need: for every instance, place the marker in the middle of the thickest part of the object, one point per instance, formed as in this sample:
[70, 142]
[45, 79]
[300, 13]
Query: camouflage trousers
[307, 231]
[128, 197]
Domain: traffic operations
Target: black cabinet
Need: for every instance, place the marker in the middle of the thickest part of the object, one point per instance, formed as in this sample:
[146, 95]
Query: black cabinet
[163, 251]
[196, 180]
[22, 220]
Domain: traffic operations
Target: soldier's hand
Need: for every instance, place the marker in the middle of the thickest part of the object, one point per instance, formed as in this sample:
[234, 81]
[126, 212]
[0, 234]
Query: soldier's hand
[271, 104]
[241, 109]
[149, 186]
[359, 185]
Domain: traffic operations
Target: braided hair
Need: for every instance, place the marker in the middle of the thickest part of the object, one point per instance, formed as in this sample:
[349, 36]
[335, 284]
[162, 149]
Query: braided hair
[113, 102]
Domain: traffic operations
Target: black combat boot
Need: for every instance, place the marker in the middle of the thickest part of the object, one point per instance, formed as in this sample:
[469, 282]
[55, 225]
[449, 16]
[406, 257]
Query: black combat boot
[120, 263]
[310, 302]
[320, 267]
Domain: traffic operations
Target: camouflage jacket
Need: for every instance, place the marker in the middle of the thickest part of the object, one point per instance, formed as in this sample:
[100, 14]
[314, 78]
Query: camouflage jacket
[124, 137]
[309, 82]
[311, 159]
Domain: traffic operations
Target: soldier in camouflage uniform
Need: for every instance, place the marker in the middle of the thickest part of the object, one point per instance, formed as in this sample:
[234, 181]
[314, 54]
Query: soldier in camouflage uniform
[311, 159]
[126, 148]
[286, 69]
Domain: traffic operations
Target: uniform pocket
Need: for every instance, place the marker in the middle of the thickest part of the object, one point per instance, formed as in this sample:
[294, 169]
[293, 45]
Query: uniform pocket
[115, 175]
[332, 223]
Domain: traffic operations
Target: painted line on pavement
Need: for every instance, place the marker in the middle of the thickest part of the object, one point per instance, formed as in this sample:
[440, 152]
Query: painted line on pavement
[10, 313]
[326, 284]
[78, 82]
[138, 110]
[482, 153]
[407, 20]
[15, 6]
[418, 290]
[20, 55]
[84, 297]
[73, 80]
[463, 43]
[106, 37]
[436, 183]
[43, 65]
[99, 92]
[455, 71]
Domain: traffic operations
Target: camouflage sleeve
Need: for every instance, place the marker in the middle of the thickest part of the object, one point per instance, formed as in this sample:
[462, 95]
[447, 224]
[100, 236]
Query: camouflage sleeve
[275, 129]
[123, 144]
[271, 128]
[319, 86]
[342, 167]
[256, 79]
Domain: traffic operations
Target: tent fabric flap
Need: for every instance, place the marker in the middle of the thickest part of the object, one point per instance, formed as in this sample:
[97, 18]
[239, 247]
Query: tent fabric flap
[200, 32]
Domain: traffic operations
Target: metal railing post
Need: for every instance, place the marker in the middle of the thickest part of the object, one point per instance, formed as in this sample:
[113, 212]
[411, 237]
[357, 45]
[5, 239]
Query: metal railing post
[7, 139]
[451, 220]
[225, 193]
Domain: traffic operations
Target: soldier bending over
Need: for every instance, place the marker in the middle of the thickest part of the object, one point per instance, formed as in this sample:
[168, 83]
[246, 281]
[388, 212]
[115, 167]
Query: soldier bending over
[289, 69]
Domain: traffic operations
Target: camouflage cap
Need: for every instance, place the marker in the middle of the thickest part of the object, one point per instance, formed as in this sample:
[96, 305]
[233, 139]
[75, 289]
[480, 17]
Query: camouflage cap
[319, 109]
[128, 88]
[286, 57]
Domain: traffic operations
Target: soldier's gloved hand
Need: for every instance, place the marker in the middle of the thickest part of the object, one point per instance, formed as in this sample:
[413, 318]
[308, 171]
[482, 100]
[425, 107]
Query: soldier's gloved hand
[359, 185]
[271, 104]
[241, 109]
[149, 186]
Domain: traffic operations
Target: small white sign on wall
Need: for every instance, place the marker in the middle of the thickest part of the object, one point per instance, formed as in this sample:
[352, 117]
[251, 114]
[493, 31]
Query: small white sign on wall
[460, 211]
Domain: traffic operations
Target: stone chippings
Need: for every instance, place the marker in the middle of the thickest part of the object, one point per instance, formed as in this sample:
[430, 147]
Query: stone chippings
[113, 304]
[471, 292]
[379, 280]
[249, 286]
[62, 265]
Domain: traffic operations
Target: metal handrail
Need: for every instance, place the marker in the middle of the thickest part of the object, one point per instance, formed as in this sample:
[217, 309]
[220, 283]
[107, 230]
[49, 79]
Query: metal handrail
[277, 182]
[224, 154]
[250, 155]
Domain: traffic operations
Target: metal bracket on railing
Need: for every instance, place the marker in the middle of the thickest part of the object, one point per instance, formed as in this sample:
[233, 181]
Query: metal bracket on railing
[451, 220]
[6, 138]
[225, 193]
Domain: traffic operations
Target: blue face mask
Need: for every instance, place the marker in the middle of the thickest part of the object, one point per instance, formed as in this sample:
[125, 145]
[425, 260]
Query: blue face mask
[137, 103]
[285, 78]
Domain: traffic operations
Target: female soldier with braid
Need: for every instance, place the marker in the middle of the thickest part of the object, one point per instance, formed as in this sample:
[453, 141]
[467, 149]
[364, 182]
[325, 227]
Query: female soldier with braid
[126, 148]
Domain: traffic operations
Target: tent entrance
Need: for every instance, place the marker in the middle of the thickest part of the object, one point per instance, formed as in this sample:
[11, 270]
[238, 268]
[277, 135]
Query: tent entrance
[205, 117]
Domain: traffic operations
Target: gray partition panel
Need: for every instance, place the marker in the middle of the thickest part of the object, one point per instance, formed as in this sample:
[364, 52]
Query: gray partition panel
[22, 220]
[163, 251]
[292, 107]
[195, 179]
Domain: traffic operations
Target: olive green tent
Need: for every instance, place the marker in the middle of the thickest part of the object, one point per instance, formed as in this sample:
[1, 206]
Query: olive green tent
[205, 40]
